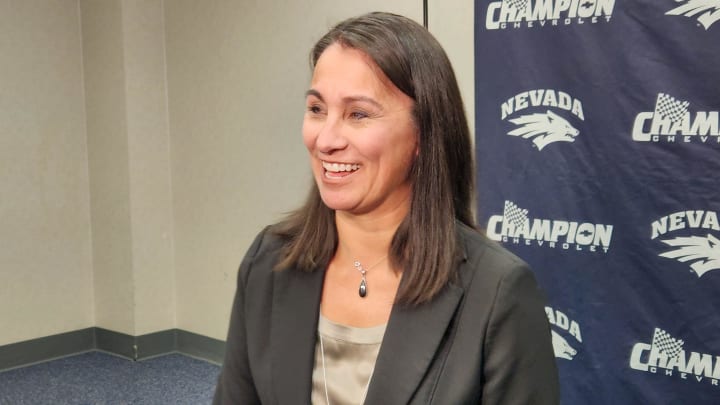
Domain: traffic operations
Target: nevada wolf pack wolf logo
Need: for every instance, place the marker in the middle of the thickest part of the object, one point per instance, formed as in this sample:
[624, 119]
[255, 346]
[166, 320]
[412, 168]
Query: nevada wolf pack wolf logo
[703, 252]
[558, 320]
[561, 347]
[544, 129]
[707, 11]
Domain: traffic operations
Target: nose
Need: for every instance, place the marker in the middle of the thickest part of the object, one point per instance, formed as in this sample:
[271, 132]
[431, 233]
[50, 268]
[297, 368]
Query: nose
[330, 137]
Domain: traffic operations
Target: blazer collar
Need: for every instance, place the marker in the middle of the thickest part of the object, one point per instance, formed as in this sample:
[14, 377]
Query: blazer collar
[401, 362]
[295, 313]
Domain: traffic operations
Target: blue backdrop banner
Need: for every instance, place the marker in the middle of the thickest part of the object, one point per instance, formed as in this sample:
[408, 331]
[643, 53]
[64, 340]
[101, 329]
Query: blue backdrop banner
[598, 150]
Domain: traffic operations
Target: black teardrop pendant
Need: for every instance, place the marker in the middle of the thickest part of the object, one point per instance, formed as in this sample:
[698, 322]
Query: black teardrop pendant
[363, 288]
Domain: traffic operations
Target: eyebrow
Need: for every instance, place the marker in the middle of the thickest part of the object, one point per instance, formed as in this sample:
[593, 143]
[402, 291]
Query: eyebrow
[347, 100]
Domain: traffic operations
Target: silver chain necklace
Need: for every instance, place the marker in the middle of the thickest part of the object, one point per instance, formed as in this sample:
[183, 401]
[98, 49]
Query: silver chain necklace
[363, 290]
[327, 396]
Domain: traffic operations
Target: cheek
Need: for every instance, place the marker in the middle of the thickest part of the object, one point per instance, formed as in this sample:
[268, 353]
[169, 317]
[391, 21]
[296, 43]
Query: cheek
[309, 135]
[376, 142]
[407, 150]
[372, 148]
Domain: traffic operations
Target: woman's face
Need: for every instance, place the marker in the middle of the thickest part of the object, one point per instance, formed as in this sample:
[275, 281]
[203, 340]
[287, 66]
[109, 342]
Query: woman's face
[360, 133]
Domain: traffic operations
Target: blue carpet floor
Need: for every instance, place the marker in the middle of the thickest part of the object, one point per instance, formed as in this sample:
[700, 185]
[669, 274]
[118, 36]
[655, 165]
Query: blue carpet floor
[100, 378]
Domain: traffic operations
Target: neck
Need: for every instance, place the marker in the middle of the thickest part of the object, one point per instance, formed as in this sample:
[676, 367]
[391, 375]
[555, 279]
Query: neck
[366, 237]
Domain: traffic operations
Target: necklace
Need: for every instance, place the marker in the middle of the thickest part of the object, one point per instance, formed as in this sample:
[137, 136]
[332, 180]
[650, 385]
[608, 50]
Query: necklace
[363, 290]
[327, 396]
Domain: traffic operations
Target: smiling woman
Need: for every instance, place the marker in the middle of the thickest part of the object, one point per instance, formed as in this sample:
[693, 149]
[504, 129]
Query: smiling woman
[361, 135]
[379, 289]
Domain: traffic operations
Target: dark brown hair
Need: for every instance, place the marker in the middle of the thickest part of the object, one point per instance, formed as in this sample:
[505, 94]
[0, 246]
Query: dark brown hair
[442, 176]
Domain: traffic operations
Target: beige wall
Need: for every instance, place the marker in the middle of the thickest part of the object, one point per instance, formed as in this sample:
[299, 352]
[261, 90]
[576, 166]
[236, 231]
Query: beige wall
[45, 251]
[108, 156]
[129, 153]
[451, 21]
[150, 178]
[193, 145]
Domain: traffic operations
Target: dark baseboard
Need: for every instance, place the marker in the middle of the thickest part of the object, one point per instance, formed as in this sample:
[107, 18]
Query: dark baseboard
[131, 347]
[200, 346]
[46, 348]
[115, 343]
[155, 344]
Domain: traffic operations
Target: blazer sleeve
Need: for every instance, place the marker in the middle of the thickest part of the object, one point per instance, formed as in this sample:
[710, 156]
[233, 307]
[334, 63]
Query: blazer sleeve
[519, 364]
[235, 384]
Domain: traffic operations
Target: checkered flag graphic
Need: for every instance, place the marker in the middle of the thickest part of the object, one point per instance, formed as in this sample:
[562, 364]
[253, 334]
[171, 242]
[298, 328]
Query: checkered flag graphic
[670, 107]
[514, 214]
[518, 4]
[666, 344]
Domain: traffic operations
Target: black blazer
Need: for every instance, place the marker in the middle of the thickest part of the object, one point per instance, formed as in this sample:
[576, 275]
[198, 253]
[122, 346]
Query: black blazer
[484, 339]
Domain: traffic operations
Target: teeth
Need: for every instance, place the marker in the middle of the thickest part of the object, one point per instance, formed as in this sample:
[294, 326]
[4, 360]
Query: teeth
[340, 167]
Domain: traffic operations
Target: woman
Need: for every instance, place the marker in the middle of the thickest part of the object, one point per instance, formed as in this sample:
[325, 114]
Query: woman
[379, 290]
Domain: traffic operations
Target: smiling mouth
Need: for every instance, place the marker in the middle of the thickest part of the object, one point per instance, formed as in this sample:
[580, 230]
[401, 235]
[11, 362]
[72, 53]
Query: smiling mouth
[334, 170]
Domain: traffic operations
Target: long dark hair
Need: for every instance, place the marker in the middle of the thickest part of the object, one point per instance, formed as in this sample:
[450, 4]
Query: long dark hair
[442, 176]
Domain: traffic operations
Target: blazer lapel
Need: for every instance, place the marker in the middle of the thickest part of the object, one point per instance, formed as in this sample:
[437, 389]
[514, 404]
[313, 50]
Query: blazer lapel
[411, 339]
[295, 311]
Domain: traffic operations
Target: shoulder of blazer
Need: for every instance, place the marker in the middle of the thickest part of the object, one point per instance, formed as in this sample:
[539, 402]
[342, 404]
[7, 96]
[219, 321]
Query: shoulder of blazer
[484, 256]
[262, 255]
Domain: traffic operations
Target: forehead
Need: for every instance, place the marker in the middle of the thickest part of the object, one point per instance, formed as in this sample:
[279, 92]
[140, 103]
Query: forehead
[345, 69]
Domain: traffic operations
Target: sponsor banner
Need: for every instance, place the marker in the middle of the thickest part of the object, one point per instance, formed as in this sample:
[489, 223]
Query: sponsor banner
[672, 121]
[665, 356]
[597, 140]
[546, 13]
[515, 226]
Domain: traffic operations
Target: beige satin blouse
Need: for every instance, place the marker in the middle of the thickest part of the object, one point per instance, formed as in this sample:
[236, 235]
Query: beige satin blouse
[344, 361]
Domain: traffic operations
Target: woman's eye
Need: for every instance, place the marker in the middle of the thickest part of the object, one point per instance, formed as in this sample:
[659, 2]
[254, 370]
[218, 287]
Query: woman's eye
[314, 109]
[358, 115]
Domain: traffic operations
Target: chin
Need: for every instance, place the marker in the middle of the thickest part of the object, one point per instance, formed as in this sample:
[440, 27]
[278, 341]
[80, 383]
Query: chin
[337, 204]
